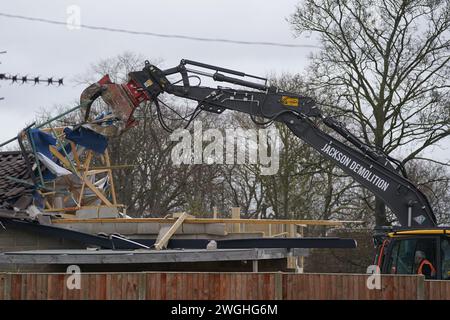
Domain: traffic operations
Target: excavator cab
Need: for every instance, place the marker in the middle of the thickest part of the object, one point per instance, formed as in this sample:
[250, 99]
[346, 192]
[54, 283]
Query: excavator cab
[401, 252]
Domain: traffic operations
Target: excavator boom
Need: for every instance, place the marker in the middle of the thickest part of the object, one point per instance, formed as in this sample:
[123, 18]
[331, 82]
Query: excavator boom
[372, 169]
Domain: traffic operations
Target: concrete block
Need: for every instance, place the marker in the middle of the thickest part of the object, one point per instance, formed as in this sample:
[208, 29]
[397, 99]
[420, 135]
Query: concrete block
[209, 228]
[105, 212]
[148, 228]
[216, 229]
[86, 213]
[81, 227]
[193, 228]
[168, 225]
[127, 228]
[107, 228]
[101, 212]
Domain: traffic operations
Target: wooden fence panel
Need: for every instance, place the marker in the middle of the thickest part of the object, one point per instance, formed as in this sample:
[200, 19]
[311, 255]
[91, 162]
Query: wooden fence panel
[437, 290]
[223, 286]
[347, 287]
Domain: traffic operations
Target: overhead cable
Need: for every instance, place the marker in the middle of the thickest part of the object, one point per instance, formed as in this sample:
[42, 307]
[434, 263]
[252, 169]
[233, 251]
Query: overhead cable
[161, 35]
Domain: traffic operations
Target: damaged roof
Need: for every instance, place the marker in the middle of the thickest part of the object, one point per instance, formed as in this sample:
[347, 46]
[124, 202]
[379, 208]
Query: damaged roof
[12, 164]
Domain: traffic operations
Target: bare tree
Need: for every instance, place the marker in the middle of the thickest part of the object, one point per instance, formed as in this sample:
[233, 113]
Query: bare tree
[384, 65]
[433, 179]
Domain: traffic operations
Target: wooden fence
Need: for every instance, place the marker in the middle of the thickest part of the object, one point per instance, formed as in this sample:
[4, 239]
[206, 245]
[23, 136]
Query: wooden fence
[437, 290]
[238, 286]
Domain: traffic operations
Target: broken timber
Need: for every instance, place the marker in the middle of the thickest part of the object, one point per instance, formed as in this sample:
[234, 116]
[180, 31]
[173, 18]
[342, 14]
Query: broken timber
[162, 242]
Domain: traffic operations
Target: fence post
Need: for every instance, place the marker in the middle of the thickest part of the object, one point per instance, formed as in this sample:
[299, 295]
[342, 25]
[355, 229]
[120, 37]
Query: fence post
[142, 286]
[278, 286]
[7, 286]
[421, 287]
[236, 214]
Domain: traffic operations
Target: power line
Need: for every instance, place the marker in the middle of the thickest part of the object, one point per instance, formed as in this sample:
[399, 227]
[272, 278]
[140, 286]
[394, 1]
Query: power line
[35, 80]
[161, 35]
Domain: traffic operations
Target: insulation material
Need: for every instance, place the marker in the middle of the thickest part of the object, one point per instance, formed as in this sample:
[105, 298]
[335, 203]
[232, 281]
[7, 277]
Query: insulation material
[52, 166]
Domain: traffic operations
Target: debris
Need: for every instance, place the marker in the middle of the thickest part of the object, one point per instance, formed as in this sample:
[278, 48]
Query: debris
[212, 245]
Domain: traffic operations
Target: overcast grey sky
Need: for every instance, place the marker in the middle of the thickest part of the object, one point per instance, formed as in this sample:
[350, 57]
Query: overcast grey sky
[37, 48]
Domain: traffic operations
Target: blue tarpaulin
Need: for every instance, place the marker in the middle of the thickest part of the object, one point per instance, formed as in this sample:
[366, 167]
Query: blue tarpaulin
[87, 138]
[42, 141]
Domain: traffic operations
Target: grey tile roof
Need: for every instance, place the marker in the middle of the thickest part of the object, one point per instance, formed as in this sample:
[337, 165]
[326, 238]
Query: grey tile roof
[12, 164]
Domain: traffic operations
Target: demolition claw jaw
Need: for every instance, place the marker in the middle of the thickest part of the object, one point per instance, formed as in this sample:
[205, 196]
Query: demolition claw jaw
[123, 99]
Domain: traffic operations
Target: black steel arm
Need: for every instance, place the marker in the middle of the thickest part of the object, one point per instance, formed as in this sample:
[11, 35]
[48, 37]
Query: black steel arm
[367, 166]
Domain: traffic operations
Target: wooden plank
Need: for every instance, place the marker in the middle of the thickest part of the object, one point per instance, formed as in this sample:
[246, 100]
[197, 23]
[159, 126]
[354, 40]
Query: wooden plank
[229, 280]
[96, 171]
[237, 293]
[27, 287]
[61, 158]
[337, 286]
[364, 291]
[116, 286]
[90, 291]
[150, 284]
[111, 179]
[244, 286]
[206, 220]
[272, 292]
[195, 292]
[108, 287]
[101, 286]
[133, 286]
[111, 288]
[432, 290]
[187, 286]
[42, 285]
[16, 284]
[32, 290]
[84, 290]
[163, 286]
[97, 192]
[201, 285]
[205, 286]
[55, 286]
[160, 286]
[443, 290]
[75, 154]
[180, 284]
[162, 242]
[446, 290]
[236, 215]
[286, 286]
[396, 288]
[86, 165]
[196, 286]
